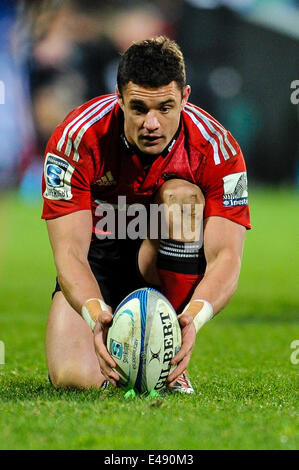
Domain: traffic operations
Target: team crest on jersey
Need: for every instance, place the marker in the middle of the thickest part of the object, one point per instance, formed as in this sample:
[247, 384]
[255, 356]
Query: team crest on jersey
[58, 174]
[235, 190]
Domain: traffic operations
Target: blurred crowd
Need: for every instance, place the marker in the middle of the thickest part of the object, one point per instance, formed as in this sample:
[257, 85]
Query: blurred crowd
[56, 54]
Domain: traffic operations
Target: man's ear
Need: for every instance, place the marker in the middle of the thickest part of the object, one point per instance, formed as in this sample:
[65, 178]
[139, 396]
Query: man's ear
[186, 94]
[119, 97]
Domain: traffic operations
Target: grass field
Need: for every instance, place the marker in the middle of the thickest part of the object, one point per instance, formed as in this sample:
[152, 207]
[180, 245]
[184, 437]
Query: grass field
[246, 385]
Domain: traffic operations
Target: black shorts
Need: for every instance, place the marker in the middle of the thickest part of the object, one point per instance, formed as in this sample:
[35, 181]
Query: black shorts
[114, 264]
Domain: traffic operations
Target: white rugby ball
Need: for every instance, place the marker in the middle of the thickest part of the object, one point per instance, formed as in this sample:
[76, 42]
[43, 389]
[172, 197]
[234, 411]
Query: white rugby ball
[144, 336]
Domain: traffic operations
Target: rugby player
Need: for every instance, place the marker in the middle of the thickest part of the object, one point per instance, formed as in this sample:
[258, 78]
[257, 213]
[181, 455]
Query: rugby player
[148, 143]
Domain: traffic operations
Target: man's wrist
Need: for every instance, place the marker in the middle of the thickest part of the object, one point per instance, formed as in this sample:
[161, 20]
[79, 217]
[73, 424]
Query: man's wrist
[201, 310]
[91, 310]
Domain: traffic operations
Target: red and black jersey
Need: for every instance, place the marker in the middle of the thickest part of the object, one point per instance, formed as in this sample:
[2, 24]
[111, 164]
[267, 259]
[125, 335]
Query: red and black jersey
[88, 162]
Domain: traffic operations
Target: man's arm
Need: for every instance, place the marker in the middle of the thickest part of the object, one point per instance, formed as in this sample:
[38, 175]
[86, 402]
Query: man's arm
[223, 244]
[70, 237]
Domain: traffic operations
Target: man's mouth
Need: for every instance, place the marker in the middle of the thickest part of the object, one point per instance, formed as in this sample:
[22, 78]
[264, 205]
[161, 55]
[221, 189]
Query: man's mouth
[151, 138]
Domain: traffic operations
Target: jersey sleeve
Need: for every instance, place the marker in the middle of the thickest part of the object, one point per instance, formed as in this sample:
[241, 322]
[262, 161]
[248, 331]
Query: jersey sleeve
[66, 181]
[225, 188]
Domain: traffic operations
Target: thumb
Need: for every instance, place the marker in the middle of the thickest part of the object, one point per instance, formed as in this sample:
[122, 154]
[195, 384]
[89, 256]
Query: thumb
[106, 318]
[185, 319]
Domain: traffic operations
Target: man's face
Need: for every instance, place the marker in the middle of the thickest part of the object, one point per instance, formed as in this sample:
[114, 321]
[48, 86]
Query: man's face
[152, 115]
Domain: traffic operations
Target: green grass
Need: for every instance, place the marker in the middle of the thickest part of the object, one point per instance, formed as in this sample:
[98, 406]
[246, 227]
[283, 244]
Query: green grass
[245, 383]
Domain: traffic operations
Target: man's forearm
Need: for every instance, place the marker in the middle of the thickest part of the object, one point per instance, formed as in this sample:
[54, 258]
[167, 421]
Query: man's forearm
[77, 281]
[219, 282]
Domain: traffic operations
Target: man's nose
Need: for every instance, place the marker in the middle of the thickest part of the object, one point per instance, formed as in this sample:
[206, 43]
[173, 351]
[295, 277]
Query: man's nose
[151, 122]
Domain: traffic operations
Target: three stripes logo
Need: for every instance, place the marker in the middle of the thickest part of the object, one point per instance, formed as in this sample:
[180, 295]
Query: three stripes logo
[213, 132]
[106, 180]
[76, 128]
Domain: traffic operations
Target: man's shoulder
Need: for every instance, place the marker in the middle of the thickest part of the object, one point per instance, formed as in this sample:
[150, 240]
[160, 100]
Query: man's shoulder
[208, 136]
[91, 119]
[90, 108]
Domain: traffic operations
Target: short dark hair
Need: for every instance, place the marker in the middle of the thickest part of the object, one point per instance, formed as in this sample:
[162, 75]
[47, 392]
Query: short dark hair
[152, 63]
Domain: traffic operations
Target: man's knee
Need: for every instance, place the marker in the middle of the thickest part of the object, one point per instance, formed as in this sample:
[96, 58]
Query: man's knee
[69, 375]
[183, 204]
[179, 191]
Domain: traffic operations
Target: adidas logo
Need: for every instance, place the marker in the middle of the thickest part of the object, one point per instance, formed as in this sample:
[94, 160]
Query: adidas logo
[106, 180]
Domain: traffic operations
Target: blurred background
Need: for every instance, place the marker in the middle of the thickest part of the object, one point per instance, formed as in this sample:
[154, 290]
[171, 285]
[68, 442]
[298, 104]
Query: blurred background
[241, 57]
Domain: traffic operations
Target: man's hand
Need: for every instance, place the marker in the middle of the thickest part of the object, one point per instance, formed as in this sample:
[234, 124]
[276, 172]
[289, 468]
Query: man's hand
[182, 358]
[100, 334]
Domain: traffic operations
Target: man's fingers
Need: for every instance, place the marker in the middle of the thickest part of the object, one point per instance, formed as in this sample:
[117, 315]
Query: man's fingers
[180, 355]
[178, 371]
[107, 371]
[112, 375]
[112, 382]
[109, 374]
[107, 363]
[102, 351]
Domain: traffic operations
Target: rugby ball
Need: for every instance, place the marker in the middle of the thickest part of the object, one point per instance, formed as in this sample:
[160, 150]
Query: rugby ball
[143, 338]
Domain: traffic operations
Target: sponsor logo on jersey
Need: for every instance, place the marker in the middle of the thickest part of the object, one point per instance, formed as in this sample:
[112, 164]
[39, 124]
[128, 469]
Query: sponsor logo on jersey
[58, 173]
[107, 180]
[235, 190]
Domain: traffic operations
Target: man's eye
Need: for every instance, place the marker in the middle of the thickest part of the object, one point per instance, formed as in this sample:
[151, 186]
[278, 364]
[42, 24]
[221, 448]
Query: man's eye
[165, 109]
[138, 110]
